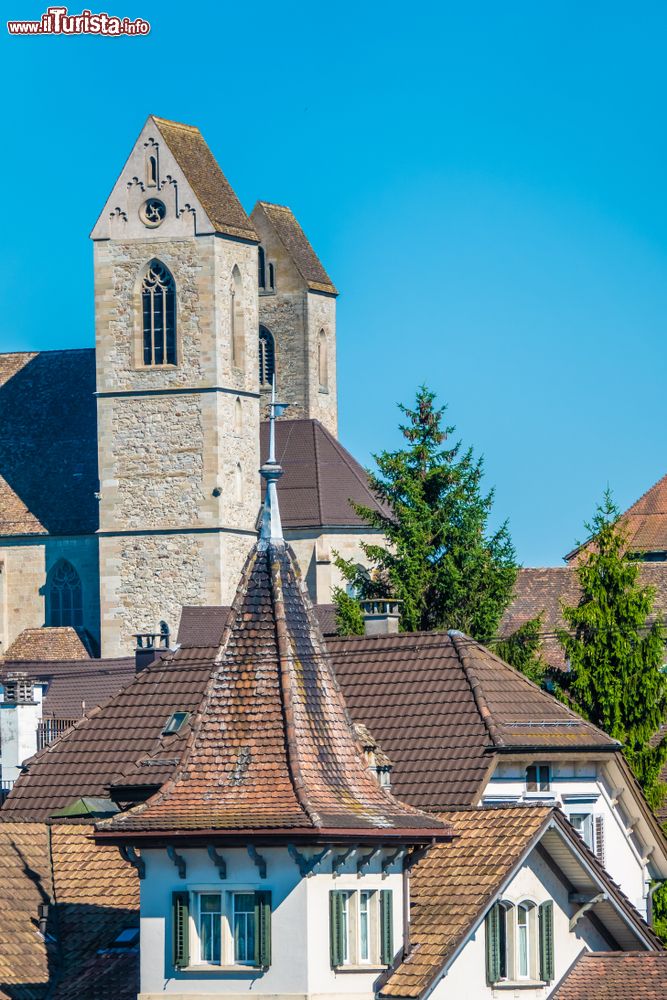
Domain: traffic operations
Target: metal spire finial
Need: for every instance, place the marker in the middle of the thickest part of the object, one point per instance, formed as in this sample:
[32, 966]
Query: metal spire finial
[272, 529]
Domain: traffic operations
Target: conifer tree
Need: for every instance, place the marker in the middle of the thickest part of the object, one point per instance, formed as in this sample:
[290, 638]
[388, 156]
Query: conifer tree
[441, 561]
[615, 653]
[523, 650]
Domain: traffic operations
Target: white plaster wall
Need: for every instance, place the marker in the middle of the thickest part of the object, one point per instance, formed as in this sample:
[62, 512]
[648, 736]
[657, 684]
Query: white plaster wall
[579, 786]
[300, 964]
[466, 978]
[18, 734]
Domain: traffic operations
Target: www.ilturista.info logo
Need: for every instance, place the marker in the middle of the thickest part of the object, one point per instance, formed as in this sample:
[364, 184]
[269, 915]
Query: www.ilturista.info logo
[57, 21]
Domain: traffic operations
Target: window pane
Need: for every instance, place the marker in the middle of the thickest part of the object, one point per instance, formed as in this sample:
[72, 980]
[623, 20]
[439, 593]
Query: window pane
[244, 927]
[346, 927]
[210, 927]
[522, 919]
[531, 778]
[364, 919]
[502, 941]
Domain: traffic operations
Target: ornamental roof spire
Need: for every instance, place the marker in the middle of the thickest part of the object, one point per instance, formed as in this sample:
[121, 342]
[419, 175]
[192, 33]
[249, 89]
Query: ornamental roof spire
[271, 529]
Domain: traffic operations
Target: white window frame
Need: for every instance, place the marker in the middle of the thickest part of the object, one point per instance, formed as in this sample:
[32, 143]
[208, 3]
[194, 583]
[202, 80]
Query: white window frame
[587, 830]
[227, 895]
[540, 783]
[513, 973]
[352, 957]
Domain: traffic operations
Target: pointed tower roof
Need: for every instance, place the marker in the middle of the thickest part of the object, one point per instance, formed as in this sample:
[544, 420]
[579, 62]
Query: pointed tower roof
[272, 749]
[207, 180]
[295, 241]
[645, 523]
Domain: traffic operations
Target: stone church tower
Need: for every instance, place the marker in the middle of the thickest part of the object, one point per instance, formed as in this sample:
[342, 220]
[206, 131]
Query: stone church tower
[297, 315]
[177, 385]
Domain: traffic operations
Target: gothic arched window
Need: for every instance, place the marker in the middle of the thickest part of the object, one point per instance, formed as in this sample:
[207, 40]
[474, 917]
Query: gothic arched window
[158, 301]
[267, 356]
[64, 602]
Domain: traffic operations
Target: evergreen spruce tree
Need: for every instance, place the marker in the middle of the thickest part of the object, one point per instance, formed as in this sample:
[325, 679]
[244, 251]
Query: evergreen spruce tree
[349, 619]
[523, 650]
[440, 560]
[615, 654]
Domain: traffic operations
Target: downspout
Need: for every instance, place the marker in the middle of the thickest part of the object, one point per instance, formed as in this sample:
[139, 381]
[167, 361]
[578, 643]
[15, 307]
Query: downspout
[406, 911]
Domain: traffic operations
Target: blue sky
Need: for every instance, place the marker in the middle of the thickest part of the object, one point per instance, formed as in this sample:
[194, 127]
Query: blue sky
[486, 184]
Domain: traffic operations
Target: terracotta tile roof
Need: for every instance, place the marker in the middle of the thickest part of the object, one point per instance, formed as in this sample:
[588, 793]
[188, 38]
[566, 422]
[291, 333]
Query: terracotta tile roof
[645, 523]
[453, 886]
[320, 476]
[75, 686]
[203, 626]
[272, 746]
[440, 705]
[439, 712]
[46, 644]
[541, 591]
[48, 443]
[296, 243]
[25, 873]
[206, 179]
[456, 882]
[110, 739]
[92, 896]
[620, 975]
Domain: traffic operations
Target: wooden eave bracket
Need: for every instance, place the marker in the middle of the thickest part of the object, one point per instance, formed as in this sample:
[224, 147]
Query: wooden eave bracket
[340, 859]
[258, 859]
[178, 860]
[218, 861]
[363, 864]
[391, 858]
[129, 854]
[307, 865]
[586, 906]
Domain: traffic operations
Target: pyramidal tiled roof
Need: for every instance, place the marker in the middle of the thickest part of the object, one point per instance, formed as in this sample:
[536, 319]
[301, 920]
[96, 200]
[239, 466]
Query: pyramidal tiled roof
[295, 241]
[206, 178]
[645, 523]
[272, 748]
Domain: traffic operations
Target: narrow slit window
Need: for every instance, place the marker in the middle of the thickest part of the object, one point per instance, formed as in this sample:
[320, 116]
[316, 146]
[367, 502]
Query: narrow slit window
[158, 295]
[152, 171]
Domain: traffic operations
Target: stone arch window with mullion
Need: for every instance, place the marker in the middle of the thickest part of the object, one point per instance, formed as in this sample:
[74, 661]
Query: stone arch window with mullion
[64, 596]
[158, 306]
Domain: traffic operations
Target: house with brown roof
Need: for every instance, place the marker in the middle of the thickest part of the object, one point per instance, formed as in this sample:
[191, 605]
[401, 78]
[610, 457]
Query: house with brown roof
[272, 857]
[121, 463]
[511, 904]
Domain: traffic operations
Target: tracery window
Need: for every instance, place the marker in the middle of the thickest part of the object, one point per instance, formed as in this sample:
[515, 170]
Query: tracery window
[64, 596]
[267, 356]
[158, 299]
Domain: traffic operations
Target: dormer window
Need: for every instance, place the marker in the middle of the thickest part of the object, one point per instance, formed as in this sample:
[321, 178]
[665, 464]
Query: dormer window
[538, 778]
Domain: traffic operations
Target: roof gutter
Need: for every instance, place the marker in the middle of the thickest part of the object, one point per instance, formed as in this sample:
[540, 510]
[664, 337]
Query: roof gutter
[279, 837]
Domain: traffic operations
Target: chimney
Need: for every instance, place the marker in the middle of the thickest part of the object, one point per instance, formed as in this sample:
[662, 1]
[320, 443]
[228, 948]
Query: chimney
[149, 645]
[381, 617]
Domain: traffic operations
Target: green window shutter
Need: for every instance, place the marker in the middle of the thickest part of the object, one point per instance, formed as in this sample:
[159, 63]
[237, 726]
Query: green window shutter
[546, 912]
[336, 927]
[180, 928]
[263, 929]
[386, 927]
[493, 945]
